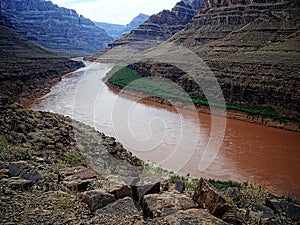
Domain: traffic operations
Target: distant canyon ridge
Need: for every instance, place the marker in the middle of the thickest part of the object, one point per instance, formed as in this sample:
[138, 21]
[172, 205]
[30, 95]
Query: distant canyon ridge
[117, 30]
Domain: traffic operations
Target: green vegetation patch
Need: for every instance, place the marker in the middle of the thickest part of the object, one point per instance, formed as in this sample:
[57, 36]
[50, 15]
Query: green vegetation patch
[154, 86]
[75, 159]
[121, 76]
[61, 73]
[224, 184]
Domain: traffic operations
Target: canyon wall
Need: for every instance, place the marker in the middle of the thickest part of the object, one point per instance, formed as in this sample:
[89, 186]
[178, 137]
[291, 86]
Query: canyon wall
[58, 29]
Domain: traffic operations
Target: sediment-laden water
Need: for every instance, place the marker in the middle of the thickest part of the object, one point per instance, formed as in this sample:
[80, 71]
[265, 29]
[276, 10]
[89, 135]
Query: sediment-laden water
[177, 141]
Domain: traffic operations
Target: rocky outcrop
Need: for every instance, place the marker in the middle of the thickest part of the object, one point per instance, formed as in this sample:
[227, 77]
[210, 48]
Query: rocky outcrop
[208, 197]
[282, 207]
[166, 203]
[161, 26]
[155, 30]
[58, 29]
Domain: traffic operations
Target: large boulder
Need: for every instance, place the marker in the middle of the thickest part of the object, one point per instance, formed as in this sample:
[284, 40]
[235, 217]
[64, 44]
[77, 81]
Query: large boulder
[160, 205]
[77, 178]
[116, 186]
[144, 187]
[24, 170]
[209, 198]
[122, 207]
[96, 199]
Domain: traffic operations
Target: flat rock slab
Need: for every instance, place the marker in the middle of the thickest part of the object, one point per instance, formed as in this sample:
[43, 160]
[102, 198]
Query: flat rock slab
[79, 172]
[193, 217]
[77, 184]
[159, 205]
[122, 207]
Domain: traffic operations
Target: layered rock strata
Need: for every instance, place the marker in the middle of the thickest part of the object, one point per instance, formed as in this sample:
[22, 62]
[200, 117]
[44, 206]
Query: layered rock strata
[58, 29]
[158, 28]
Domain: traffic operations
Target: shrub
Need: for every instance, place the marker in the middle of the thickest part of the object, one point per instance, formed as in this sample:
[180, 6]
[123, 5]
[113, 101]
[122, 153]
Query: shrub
[75, 159]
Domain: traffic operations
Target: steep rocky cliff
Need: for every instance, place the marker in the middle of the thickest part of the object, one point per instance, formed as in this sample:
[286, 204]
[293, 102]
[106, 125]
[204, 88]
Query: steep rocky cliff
[163, 25]
[59, 29]
[252, 47]
[158, 28]
[26, 70]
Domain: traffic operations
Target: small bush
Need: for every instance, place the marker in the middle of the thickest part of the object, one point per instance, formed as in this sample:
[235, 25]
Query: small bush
[75, 159]
[64, 202]
[253, 194]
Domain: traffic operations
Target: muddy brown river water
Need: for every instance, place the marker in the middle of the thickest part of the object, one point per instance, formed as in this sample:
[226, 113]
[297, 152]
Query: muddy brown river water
[177, 140]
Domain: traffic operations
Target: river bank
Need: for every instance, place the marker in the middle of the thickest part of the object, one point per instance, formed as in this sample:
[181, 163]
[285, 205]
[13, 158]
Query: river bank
[289, 125]
[57, 170]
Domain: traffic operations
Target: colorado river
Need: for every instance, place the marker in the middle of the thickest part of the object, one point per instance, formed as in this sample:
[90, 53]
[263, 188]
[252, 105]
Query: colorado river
[260, 154]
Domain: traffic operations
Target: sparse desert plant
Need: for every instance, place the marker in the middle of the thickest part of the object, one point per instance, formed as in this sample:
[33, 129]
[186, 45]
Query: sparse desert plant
[75, 159]
[253, 193]
[64, 202]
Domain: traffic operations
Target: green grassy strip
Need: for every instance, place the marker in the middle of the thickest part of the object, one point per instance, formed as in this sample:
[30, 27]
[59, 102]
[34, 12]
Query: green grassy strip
[122, 76]
[224, 184]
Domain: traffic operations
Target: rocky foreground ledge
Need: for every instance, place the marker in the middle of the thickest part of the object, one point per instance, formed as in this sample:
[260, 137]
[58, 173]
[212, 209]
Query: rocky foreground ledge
[57, 171]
